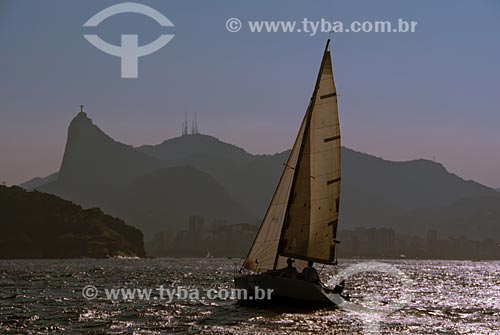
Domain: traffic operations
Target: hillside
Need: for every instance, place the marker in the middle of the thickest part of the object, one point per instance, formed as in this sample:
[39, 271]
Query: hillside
[408, 184]
[475, 218]
[94, 166]
[98, 171]
[166, 197]
[39, 181]
[39, 225]
[250, 179]
[381, 193]
[179, 149]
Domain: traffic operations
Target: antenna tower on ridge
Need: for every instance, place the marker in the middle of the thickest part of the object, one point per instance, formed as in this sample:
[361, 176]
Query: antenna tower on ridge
[185, 125]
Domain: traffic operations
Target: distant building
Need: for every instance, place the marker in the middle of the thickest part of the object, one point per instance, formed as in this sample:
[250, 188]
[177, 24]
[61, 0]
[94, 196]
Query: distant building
[383, 242]
[196, 227]
[432, 241]
[218, 238]
[367, 242]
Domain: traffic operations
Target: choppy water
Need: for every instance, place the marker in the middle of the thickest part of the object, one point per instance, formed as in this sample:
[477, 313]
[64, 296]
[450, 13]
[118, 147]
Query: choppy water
[447, 298]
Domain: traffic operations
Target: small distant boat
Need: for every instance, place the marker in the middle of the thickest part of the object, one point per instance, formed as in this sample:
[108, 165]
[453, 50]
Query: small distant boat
[301, 220]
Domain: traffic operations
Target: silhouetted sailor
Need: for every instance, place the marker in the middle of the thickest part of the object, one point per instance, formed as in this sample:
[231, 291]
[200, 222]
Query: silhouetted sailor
[290, 271]
[310, 274]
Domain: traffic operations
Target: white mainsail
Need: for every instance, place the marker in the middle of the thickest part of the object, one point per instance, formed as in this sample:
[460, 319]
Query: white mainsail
[301, 221]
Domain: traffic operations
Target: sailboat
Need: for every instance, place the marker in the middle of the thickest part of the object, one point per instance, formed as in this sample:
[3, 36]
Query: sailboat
[302, 217]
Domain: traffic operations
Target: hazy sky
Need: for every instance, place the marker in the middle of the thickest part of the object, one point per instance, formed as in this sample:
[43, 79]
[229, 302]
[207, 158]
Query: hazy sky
[432, 93]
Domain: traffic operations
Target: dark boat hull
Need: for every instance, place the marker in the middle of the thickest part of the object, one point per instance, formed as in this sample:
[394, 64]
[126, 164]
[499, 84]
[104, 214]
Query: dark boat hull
[280, 290]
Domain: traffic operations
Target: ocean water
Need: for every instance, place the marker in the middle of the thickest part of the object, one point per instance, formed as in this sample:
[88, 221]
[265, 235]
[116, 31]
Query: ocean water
[45, 297]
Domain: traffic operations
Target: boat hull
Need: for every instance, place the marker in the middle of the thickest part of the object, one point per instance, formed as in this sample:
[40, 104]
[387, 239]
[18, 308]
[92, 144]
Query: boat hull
[263, 289]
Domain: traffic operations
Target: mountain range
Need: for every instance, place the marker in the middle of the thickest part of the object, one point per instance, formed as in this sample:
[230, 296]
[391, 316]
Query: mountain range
[148, 192]
[156, 187]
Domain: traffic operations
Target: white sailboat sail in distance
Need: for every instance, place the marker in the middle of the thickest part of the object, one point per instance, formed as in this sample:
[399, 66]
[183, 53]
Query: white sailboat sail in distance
[301, 220]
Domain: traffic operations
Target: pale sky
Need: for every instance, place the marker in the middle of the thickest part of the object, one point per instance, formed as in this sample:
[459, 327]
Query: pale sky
[429, 94]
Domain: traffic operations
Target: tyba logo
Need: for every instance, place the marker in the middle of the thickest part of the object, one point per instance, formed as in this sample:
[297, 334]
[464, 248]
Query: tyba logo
[129, 51]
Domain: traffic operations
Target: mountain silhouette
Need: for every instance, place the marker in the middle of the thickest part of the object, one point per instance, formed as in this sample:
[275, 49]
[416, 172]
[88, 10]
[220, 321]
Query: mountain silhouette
[94, 166]
[165, 197]
[409, 184]
[158, 186]
[476, 218]
[97, 171]
[180, 149]
[377, 192]
[40, 225]
[243, 175]
[39, 181]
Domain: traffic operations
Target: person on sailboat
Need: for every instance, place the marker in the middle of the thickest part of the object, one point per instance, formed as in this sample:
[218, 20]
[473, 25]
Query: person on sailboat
[310, 274]
[290, 271]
